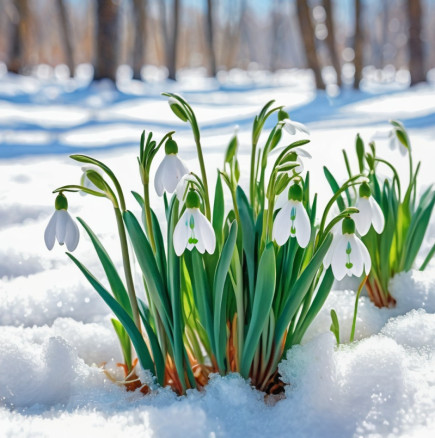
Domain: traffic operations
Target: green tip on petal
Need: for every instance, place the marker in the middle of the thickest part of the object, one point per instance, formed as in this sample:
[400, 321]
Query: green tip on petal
[171, 147]
[348, 226]
[282, 115]
[61, 202]
[364, 190]
[193, 200]
[295, 192]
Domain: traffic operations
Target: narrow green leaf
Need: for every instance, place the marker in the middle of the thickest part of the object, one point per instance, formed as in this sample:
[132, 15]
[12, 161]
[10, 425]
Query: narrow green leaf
[222, 269]
[218, 210]
[124, 340]
[334, 186]
[136, 338]
[263, 297]
[116, 284]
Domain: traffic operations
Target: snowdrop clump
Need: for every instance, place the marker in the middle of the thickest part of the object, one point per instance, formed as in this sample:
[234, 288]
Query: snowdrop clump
[228, 289]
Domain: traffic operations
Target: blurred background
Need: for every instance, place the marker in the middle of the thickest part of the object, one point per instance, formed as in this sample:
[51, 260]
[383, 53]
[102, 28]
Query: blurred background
[341, 41]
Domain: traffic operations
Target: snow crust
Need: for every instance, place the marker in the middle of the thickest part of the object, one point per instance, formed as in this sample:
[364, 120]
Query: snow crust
[55, 332]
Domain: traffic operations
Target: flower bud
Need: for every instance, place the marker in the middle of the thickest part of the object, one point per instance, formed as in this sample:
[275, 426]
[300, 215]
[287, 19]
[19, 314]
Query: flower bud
[177, 109]
[364, 190]
[282, 115]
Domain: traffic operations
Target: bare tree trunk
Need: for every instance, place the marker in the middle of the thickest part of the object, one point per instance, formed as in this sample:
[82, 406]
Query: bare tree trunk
[415, 44]
[276, 31]
[358, 45]
[307, 31]
[139, 11]
[170, 39]
[210, 38]
[65, 31]
[19, 36]
[330, 39]
[107, 40]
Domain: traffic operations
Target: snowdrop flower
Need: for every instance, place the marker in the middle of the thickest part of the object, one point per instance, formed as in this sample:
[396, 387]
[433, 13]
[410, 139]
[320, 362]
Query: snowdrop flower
[86, 182]
[170, 171]
[347, 255]
[291, 126]
[193, 229]
[177, 109]
[298, 153]
[292, 220]
[181, 189]
[61, 226]
[369, 212]
[394, 143]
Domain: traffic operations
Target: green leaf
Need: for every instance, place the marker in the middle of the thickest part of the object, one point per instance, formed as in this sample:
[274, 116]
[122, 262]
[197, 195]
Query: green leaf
[300, 288]
[360, 152]
[150, 270]
[141, 348]
[124, 340]
[116, 284]
[222, 269]
[248, 236]
[218, 210]
[334, 186]
[335, 327]
[231, 149]
[263, 297]
[318, 302]
[159, 361]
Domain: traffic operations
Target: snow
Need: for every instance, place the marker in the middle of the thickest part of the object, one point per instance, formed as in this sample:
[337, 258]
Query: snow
[55, 331]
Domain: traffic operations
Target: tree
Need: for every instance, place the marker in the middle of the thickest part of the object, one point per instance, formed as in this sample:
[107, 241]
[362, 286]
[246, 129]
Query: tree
[358, 45]
[139, 12]
[65, 31]
[170, 38]
[307, 31]
[19, 36]
[210, 38]
[415, 44]
[107, 46]
[330, 39]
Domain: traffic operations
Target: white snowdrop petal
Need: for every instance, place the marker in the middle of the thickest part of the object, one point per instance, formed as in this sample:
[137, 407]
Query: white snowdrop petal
[330, 253]
[281, 199]
[181, 233]
[288, 126]
[158, 179]
[205, 231]
[339, 258]
[378, 219]
[62, 219]
[356, 256]
[50, 232]
[72, 235]
[301, 127]
[302, 152]
[363, 219]
[303, 226]
[175, 170]
[281, 226]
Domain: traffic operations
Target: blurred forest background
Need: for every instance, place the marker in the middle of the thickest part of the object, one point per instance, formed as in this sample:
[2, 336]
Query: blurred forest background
[342, 39]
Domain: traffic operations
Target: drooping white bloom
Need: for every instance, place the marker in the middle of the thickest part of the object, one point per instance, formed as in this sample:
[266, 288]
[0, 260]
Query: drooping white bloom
[181, 189]
[300, 152]
[62, 227]
[369, 214]
[193, 229]
[292, 220]
[347, 255]
[394, 143]
[170, 170]
[292, 127]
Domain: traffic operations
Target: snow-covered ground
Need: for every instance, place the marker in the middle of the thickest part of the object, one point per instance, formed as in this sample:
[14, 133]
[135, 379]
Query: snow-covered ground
[55, 332]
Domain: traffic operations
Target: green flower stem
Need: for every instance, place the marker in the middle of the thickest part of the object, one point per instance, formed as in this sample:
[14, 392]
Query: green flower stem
[352, 333]
[252, 175]
[148, 215]
[127, 268]
[203, 173]
[396, 175]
